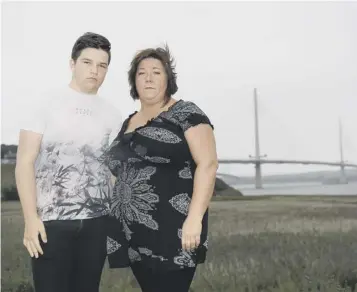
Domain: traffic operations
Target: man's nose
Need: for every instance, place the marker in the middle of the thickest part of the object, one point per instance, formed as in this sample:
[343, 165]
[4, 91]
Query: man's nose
[94, 69]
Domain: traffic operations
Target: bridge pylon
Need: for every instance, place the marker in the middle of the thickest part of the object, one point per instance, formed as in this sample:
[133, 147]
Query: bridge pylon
[257, 157]
[343, 178]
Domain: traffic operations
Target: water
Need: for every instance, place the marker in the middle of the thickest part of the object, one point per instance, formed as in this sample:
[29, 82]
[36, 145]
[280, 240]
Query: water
[313, 188]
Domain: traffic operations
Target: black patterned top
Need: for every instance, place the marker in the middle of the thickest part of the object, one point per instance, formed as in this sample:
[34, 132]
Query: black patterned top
[153, 190]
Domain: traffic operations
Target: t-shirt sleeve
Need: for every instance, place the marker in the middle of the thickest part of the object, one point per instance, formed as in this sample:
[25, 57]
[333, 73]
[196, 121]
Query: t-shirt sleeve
[35, 119]
[190, 115]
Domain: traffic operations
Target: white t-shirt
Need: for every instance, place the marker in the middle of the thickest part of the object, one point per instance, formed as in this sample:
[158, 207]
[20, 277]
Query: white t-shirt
[73, 181]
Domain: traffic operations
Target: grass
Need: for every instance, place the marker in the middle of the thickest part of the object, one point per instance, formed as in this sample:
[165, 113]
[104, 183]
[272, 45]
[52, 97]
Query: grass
[285, 244]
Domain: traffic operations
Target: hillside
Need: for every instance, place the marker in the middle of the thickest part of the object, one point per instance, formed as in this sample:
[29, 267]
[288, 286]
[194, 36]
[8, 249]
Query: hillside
[223, 189]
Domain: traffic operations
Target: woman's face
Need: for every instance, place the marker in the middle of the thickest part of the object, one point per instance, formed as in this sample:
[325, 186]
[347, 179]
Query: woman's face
[151, 81]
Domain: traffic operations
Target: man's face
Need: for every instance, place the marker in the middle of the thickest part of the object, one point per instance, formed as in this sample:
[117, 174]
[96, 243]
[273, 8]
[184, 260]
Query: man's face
[90, 69]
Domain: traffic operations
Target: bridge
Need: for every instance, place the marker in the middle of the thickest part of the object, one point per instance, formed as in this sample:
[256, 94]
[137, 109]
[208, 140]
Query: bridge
[283, 161]
[258, 160]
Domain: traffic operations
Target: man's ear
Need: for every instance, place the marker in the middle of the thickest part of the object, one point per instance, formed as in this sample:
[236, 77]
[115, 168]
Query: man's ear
[72, 63]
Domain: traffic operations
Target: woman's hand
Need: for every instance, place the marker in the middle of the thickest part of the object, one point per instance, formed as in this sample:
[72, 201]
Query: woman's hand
[191, 233]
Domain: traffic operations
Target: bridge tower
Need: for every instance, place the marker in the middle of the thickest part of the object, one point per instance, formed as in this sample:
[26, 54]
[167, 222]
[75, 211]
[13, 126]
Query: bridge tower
[343, 178]
[257, 157]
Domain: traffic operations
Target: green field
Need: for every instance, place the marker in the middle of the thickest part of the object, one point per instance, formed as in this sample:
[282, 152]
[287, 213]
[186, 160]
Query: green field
[276, 244]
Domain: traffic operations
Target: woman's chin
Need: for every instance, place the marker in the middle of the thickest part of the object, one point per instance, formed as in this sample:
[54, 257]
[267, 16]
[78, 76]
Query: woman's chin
[149, 99]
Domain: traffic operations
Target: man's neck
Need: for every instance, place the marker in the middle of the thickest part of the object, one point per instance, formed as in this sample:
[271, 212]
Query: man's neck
[75, 87]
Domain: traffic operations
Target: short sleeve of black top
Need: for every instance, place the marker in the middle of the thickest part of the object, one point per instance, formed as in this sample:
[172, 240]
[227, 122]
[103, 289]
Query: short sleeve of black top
[155, 172]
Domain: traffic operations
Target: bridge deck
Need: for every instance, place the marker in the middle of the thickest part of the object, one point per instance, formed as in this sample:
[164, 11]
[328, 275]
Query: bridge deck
[283, 161]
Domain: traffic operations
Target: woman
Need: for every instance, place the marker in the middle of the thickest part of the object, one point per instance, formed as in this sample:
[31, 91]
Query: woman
[165, 162]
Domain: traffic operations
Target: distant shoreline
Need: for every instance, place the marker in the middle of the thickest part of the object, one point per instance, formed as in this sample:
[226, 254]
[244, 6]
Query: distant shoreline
[299, 189]
[326, 177]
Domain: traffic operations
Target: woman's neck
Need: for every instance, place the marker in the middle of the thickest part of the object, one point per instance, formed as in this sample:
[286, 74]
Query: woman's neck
[150, 111]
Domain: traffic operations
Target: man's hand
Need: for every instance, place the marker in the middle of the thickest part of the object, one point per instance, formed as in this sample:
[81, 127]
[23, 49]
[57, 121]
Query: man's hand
[34, 227]
[27, 153]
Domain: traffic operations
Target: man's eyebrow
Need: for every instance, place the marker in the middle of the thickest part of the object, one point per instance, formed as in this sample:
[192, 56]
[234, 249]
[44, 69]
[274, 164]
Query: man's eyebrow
[90, 60]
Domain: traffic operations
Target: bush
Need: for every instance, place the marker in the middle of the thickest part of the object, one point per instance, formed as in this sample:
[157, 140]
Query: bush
[10, 194]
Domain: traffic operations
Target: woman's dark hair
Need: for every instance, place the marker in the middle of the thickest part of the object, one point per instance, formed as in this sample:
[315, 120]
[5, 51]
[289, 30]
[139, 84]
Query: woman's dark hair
[91, 40]
[167, 61]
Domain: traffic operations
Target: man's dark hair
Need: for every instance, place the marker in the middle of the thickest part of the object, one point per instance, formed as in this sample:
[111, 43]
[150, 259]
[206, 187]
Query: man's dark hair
[167, 61]
[91, 40]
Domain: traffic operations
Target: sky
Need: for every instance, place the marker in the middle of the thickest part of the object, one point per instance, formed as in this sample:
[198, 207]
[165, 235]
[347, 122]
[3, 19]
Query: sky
[301, 57]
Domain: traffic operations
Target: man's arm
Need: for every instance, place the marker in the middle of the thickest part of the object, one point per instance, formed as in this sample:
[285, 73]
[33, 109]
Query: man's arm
[27, 152]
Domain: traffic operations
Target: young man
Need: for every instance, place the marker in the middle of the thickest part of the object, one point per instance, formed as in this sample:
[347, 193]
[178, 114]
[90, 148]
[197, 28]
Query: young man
[63, 184]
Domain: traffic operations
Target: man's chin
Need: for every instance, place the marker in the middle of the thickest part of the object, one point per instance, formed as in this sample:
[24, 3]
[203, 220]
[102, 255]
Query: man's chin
[90, 87]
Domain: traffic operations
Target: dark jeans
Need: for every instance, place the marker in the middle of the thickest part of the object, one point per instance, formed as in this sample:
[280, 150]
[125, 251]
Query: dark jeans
[74, 256]
[165, 281]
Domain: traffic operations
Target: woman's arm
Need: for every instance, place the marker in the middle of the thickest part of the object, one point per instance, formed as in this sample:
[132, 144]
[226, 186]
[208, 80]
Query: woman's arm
[202, 145]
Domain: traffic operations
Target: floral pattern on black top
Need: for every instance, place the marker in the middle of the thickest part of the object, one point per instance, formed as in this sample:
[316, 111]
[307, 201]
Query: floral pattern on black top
[153, 190]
